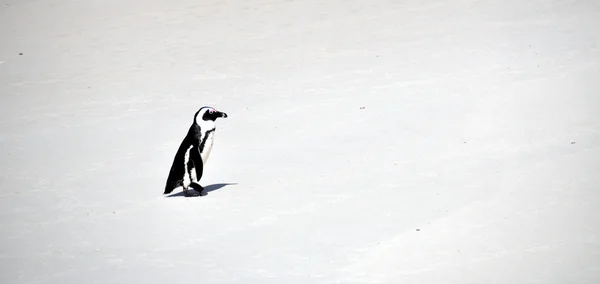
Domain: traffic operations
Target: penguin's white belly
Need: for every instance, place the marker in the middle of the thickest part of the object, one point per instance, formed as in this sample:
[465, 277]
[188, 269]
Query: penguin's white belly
[207, 147]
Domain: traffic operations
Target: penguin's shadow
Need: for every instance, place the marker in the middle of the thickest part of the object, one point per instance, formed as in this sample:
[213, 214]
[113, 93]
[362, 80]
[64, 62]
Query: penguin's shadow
[207, 189]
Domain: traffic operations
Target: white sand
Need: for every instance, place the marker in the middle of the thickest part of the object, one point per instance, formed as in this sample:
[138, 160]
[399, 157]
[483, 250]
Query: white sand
[476, 158]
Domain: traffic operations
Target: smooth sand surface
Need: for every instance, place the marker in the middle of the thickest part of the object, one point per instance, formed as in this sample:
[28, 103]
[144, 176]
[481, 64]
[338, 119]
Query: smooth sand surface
[367, 141]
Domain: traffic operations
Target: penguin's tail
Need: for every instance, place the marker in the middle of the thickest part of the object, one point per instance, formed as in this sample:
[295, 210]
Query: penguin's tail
[171, 185]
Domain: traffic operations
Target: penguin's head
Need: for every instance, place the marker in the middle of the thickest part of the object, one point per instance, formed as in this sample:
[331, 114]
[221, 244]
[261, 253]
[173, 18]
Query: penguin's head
[209, 114]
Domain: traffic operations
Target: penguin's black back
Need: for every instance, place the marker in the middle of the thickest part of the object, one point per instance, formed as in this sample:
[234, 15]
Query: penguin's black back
[177, 172]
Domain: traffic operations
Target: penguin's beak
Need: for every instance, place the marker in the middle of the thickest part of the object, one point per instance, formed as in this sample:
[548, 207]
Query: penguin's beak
[221, 114]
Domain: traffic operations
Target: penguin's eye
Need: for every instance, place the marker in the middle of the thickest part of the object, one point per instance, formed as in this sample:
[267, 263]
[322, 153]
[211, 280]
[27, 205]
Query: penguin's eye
[211, 111]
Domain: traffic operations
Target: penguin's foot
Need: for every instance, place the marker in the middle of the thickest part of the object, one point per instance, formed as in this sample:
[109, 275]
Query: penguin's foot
[190, 193]
[198, 188]
[193, 190]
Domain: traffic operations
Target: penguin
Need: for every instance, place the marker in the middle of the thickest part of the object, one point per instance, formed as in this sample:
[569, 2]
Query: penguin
[193, 153]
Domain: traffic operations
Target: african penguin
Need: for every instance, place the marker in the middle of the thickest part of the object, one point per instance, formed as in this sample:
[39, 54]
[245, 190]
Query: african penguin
[193, 153]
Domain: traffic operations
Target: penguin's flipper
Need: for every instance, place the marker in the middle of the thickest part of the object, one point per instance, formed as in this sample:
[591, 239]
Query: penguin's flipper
[177, 171]
[198, 166]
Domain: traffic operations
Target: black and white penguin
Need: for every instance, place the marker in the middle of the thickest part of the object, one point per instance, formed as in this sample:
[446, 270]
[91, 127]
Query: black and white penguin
[193, 153]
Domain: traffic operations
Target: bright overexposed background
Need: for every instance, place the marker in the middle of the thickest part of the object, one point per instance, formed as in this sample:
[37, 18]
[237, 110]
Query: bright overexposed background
[367, 141]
